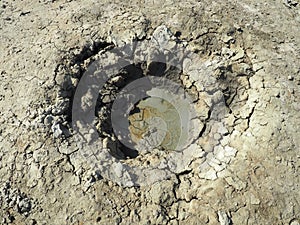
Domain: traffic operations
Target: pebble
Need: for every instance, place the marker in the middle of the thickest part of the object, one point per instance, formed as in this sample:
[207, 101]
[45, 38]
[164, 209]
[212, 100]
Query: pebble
[24, 205]
[48, 120]
[224, 219]
[57, 132]
[294, 222]
[239, 53]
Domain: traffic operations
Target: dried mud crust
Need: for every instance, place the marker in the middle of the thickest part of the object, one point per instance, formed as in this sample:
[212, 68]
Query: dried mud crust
[210, 153]
[47, 46]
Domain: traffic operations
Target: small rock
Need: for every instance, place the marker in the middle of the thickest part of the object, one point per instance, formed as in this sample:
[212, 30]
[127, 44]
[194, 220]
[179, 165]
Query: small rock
[56, 129]
[224, 219]
[48, 121]
[239, 53]
[106, 99]
[291, 3]
[294, 222]
[24, 206]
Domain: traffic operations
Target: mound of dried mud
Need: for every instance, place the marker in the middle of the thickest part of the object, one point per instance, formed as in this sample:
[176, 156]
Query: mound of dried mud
[206, 131]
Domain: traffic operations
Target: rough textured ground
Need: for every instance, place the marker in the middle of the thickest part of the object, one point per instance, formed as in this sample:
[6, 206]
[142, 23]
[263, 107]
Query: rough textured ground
[46, 46]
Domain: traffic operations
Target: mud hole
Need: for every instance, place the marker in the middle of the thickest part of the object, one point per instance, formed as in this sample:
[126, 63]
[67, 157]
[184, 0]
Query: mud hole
[242, 167]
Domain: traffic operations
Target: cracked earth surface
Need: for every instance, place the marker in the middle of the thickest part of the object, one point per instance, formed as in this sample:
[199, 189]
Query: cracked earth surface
[46, 46]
